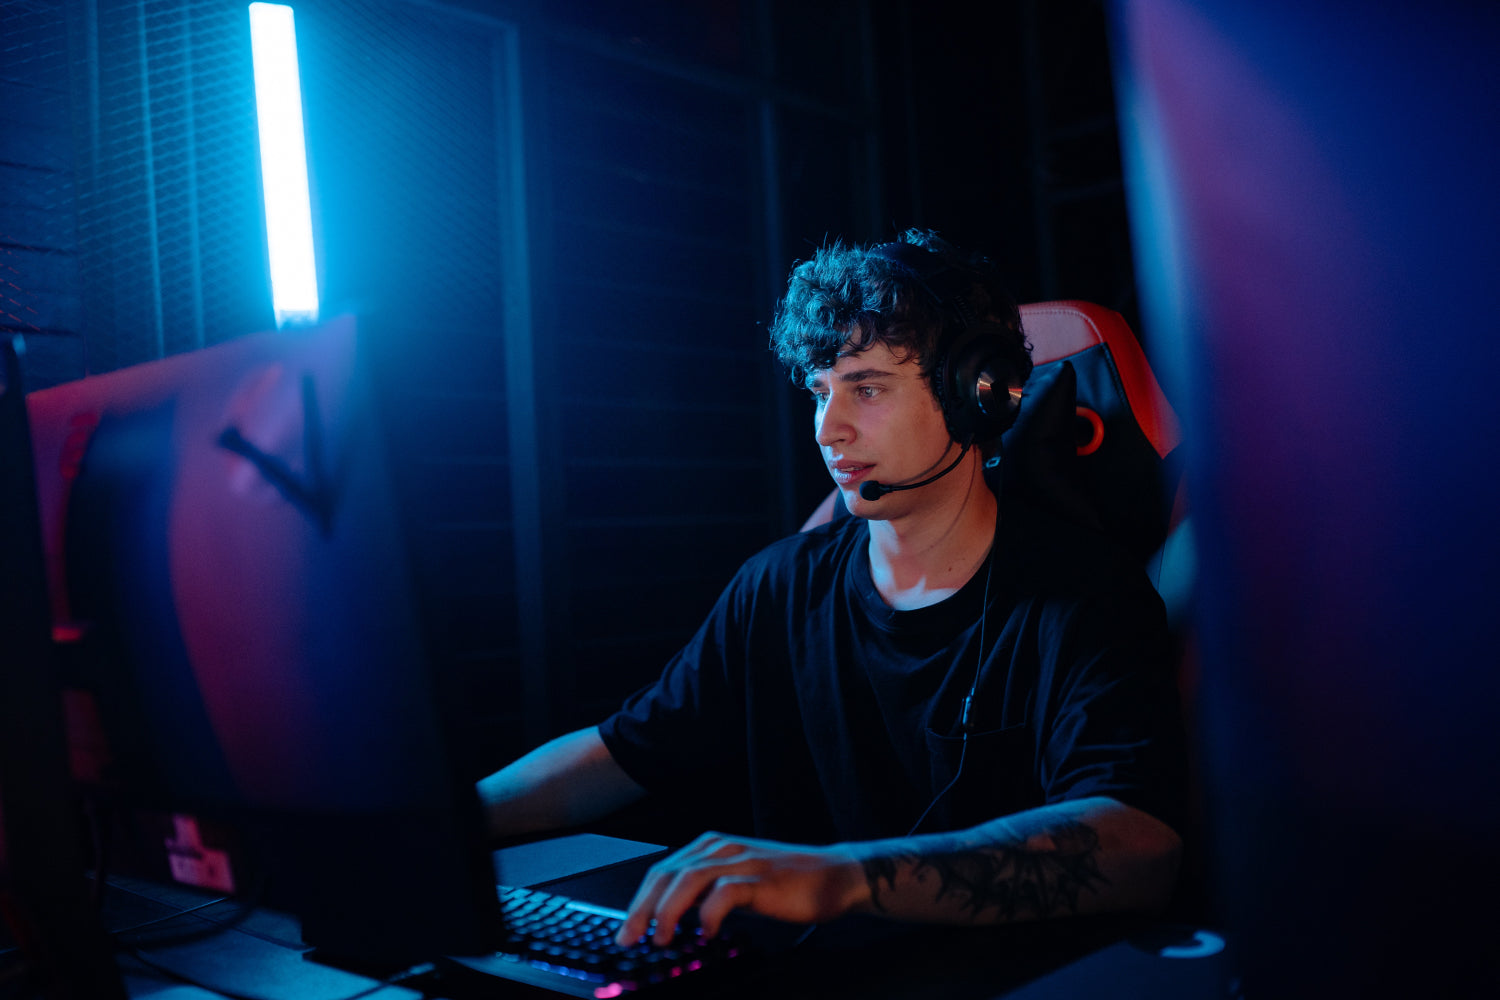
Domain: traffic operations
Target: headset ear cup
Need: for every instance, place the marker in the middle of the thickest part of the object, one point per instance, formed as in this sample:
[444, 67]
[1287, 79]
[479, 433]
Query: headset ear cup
[978, 389]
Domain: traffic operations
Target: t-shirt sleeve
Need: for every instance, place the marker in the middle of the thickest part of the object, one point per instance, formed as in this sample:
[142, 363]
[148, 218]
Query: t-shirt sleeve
[1115, 725]
[688, 724]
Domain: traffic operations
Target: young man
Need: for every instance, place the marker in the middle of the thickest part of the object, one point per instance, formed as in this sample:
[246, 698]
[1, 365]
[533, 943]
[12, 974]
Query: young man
[948, 707]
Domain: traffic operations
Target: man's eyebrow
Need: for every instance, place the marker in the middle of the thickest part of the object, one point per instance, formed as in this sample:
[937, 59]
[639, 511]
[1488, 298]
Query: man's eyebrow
[865, 374]
[859, 375]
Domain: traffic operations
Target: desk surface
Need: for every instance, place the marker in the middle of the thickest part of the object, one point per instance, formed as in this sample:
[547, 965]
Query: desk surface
[259, 955]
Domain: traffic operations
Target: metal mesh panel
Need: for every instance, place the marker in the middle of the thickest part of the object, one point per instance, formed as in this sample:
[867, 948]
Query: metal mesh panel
[401, 121]
[38, 265]
[406, 154]
[33, 132]
[652, 198]
[169, 211]
[402, 147]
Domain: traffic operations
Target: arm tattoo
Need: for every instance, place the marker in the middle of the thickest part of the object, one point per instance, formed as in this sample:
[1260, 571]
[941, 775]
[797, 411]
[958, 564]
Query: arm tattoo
[1014, 881]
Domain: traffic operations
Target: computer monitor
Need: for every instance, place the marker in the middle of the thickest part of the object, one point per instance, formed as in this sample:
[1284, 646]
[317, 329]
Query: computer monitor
[227, 572]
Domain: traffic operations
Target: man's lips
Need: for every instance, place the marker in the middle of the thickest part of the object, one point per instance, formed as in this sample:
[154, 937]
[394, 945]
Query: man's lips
[845, 473]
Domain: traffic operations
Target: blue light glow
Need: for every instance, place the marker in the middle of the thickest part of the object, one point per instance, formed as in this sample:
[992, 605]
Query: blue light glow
[283, 164]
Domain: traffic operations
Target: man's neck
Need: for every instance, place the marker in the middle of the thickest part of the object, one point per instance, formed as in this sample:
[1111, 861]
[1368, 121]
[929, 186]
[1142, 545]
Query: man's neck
[929, 553]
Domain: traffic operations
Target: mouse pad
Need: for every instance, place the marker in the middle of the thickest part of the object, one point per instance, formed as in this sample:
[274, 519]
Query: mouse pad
[558, 858]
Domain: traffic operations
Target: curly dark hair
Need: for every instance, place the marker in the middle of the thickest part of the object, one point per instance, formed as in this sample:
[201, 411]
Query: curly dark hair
[847, 298]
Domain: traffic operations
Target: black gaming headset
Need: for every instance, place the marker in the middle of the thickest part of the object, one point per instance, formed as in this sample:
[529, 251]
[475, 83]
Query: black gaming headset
[973, 376]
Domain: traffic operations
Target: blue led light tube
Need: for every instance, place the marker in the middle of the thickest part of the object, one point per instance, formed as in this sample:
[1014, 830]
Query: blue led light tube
[283, 164]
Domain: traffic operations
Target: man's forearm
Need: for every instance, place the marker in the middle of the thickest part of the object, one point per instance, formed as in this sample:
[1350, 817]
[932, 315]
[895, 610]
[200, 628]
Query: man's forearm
[565, 782]
[1090, 856]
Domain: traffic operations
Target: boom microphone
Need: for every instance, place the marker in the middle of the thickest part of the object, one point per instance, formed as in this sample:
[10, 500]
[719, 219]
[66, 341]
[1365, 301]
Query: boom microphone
[871, 490]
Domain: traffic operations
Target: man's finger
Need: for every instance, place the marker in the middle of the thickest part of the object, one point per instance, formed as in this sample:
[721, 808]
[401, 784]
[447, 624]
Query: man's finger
[684, 891]
[673, 885]
[638, 914]
[728, 893]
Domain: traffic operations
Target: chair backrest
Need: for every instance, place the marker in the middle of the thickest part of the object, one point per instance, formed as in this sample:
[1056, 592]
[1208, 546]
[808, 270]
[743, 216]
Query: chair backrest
[1125, 432]
[1059, 331]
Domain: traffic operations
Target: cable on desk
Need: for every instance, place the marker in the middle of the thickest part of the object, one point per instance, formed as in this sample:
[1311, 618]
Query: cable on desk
[170, 916]
[247, 906]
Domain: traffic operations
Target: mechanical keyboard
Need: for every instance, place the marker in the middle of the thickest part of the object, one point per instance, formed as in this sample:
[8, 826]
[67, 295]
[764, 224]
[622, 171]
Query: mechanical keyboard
[568, 946]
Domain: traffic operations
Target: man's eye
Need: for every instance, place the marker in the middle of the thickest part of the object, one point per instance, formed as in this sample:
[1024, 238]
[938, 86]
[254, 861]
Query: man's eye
[819, 397]
[868, 391]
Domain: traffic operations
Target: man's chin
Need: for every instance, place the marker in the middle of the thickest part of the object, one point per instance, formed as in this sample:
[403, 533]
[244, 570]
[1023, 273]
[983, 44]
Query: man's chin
[858, 506]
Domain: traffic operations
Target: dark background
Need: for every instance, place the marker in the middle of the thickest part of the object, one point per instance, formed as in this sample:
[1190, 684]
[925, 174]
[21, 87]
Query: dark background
[563, 227]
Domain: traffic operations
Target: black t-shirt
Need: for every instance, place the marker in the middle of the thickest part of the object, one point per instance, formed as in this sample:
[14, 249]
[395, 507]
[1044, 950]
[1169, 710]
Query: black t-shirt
[824, 715]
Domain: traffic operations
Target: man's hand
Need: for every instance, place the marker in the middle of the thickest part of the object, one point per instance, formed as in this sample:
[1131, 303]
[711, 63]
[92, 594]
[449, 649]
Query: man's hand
[718, 874]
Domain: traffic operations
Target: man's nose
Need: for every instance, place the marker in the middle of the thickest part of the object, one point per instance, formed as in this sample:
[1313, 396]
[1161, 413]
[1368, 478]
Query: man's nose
[832, 423]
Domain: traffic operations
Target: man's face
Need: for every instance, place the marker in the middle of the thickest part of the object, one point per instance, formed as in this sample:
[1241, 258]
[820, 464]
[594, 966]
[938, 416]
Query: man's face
[877, 419]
